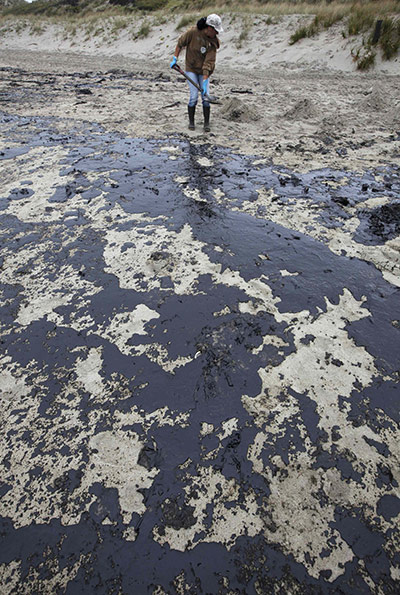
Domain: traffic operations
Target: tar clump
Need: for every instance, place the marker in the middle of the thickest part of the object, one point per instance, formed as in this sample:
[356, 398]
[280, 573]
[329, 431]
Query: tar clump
[177, 515]
[384, 222]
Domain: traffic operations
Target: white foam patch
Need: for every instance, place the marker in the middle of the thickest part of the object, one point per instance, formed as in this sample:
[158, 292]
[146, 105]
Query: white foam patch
[113, 455]
[160, 417]
[42, 295]
[302, 523]
[329, 364]
[228, 427]
[13, 386]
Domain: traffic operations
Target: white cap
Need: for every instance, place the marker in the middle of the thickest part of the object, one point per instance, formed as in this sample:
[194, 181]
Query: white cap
[215, 22]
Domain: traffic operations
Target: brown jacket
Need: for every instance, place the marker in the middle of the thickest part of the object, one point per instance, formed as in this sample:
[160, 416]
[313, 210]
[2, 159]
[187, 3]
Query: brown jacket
[201, 51]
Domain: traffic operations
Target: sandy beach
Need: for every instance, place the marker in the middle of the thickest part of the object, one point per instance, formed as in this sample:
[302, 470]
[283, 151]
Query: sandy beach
[279, 101]
[200, 331]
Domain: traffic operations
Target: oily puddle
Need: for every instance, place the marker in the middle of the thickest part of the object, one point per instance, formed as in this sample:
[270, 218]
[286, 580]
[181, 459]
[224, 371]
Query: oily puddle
[197, 345]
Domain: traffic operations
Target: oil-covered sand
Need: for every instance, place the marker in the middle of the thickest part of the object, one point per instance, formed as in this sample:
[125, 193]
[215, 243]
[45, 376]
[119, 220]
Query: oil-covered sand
[200, 333]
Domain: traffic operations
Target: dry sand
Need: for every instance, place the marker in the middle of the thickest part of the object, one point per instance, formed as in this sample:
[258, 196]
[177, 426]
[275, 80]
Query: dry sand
[304, 106]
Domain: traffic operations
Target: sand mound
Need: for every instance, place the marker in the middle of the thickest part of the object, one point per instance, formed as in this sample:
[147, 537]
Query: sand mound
[375, 98]
[236, 110]
[303, 110]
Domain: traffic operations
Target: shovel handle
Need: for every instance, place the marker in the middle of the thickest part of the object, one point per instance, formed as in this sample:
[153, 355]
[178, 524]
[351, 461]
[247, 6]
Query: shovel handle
[207, 97]
[179, 69]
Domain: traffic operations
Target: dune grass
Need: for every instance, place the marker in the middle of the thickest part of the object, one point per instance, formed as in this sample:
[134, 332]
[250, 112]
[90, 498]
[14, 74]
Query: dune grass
[390, 38]
[143, 31]
[324, 19]
[322, 8]
[378, 33]
[245, 28]
[360, 18]
[109, 17]
[186, 21]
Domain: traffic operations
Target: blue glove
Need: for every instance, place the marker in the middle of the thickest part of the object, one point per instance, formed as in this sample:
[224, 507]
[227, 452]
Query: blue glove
[173, 62]
[205, 87]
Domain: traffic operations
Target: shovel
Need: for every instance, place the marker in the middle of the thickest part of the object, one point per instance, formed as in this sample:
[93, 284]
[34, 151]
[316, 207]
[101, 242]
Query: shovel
[207, 97]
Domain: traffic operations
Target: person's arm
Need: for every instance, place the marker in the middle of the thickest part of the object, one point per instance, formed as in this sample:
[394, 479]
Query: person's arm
[182, 42]
[210, 59]
[208, 68]
[175, 56]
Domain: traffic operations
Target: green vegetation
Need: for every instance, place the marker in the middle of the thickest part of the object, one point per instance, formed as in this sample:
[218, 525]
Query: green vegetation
[150, 5]
[274, 8]
[390, 38]
[359, 18]
[117, 25]
[37, 28]
[245, 28]
[364, 57]
[323, 20]
[186, 20]
[381, 33]
[144, 31]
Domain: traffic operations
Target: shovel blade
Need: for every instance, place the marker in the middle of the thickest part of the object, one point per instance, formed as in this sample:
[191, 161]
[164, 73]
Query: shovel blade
[211, 98]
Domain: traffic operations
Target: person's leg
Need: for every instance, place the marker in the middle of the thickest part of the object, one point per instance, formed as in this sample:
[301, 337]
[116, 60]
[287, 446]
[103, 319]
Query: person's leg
[194, 94]
[206, 111]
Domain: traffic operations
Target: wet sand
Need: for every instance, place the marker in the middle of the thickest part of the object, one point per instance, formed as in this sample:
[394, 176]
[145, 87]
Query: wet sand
[200, 332]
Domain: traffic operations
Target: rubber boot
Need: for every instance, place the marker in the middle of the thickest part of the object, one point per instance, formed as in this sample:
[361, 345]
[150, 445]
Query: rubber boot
[206, 112]
[191, 110]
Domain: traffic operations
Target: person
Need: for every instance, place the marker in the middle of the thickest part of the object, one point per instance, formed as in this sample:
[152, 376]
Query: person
[201, 43]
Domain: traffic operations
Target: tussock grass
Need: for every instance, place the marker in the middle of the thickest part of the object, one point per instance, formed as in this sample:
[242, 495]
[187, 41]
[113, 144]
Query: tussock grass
[109, 17]
[323, 20]
[245, 29]
[359, 18]
[274, 8]
[144, 31]
[150, 5]
[37, 28]
[390, 38]
[186, 21]
[303, 32]
[364, 57]
[118, 24]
